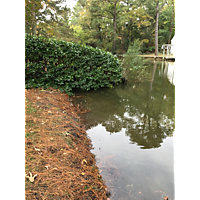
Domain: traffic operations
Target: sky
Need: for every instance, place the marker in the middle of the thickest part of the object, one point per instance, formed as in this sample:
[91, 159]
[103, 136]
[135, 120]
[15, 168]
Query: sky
[71, 3]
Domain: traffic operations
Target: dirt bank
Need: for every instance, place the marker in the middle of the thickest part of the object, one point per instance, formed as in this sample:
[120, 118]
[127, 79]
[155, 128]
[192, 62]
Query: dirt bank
[58, 162]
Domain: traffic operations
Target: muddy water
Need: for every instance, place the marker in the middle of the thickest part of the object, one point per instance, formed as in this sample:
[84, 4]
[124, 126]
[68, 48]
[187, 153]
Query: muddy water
[131, 127]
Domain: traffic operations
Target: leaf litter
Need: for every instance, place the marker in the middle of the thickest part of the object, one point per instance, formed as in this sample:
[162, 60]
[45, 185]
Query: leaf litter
[57, 150]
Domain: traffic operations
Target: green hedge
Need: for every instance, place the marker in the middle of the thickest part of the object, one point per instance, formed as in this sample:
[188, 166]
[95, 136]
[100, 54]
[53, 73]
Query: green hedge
[64, 65]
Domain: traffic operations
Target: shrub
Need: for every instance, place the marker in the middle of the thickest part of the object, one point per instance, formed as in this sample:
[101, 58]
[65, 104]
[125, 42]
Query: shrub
[65, 66]
[133, 61]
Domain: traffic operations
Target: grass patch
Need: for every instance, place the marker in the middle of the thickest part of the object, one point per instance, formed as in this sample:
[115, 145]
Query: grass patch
[30, 109]
[69, 141]
[85, 187]
[30, 134]
[30, 124]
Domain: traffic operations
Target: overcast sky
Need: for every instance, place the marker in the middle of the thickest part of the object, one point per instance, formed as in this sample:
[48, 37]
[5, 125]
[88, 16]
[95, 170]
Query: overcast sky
[71, 3]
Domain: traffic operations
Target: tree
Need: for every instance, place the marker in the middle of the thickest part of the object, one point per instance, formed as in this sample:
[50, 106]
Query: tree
[42, 11]
[172, 22]
[164, 25]
[113, 24]
[154, 8]
[31, 10]
[105, 15]
[158, 9]
[81, 23]
[138, 25]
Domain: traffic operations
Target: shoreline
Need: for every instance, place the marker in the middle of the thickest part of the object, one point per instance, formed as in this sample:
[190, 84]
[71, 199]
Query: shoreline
[58, 160]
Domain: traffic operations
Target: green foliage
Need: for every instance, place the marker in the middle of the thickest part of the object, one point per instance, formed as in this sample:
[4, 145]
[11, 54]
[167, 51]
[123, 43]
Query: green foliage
[48, 18]
[131, 57]
[152, 48]
[133, 61]
[94, 24]
[100, 24]
[65, 66]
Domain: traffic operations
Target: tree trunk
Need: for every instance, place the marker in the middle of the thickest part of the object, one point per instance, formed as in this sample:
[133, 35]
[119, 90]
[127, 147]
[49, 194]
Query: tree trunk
[34, 21]
[156, 28]
[156, 33]
[172, 20]
[34, 28]
[115, 25]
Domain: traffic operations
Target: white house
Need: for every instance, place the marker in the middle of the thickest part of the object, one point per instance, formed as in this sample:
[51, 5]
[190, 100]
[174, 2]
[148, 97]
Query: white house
[173, 46]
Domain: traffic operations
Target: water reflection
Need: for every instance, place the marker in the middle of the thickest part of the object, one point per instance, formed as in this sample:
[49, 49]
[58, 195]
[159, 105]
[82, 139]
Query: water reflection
[145, 110]
[131, 128]
[167, 69]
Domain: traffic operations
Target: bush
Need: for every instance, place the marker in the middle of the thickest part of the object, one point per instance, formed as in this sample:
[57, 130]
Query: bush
[65, 66]
[133, 61]
[151, 49]
[132, 58]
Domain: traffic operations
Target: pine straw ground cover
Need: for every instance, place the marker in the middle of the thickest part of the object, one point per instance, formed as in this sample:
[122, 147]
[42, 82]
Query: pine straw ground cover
[58, 161]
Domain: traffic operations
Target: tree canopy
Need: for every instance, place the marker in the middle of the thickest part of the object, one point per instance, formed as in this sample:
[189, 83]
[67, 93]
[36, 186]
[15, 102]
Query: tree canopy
[111, 25]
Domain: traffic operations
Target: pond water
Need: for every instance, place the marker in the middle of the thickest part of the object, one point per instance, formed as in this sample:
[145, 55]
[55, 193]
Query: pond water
[131, 127]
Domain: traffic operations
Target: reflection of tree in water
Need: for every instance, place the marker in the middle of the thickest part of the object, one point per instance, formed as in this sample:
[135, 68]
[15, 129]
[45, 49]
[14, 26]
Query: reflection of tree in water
[148, 133]
[113, 125]
[143, 130]
[145, 111]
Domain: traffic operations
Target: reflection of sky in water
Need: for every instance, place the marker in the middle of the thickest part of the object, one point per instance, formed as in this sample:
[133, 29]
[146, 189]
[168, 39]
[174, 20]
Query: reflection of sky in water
[131, 128]
[130, 172]
[136, 120]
